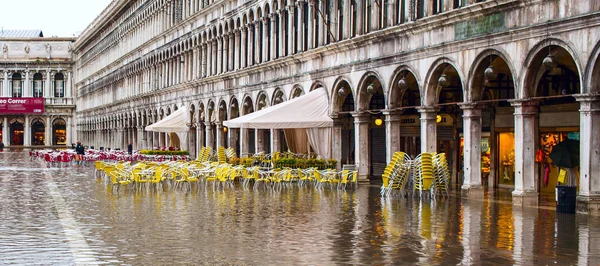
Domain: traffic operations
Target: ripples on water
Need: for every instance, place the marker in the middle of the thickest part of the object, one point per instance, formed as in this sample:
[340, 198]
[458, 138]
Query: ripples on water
[295, 226]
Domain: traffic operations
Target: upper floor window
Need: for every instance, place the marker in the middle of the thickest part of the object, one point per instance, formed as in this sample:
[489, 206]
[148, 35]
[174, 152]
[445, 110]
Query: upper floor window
[17, 85]
[438, 6]
[38, 85]
[59, 85]
[458, 3]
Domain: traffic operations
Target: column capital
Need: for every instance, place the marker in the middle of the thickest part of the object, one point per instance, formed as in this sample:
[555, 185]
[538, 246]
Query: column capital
[392, 115]
[361, 117]
[524, 106]
[470, 105]
[587, 97]
[428, 109]
[588, 102]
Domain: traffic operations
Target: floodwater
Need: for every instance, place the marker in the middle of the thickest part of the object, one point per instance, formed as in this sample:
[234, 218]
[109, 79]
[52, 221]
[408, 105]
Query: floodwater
[67, 216]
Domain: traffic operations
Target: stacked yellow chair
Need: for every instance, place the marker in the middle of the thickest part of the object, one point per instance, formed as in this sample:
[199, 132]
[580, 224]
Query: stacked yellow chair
[221, 157]
[441, 174]
[395, 175]
[423, 172]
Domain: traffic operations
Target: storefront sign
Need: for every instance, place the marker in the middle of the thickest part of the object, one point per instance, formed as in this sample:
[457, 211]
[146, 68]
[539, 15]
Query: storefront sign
[21, 105]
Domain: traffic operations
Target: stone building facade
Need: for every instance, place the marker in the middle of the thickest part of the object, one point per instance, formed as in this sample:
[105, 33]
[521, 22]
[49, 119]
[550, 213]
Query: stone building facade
[490, 83]
[34, 67]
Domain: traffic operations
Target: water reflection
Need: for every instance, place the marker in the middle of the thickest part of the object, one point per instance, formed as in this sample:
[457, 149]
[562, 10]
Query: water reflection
[297, 226]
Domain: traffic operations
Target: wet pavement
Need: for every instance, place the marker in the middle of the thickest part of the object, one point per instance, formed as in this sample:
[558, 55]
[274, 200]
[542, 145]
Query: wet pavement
[67, 216]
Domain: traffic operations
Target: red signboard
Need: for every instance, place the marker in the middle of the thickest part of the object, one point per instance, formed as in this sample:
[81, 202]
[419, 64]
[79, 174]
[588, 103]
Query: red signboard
[21, 105]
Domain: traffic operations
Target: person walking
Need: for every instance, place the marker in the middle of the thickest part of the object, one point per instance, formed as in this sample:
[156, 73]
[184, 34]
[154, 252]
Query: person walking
[80, 152]
[1, 146]
[130, 148]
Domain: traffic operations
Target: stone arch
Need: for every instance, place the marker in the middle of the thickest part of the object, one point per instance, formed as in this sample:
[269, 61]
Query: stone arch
[533, 69]
[262, 100]
[501, 63]
[336, 100]
[223, 110]
[234, 108]
[247, 105]
[394, 94]
[431, 88]
[370, 78]
[592, 82]
[316, 84]
[297, 90]
[278, 96]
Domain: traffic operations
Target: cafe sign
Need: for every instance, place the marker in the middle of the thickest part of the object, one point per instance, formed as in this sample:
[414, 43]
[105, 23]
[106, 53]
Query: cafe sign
[21, 105]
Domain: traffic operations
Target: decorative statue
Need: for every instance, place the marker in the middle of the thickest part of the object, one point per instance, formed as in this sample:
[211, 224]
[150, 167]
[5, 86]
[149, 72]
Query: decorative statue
[27, 49]
[5, 50]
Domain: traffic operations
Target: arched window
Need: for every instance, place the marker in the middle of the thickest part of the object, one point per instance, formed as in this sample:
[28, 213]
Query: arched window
[59, 85]
[38, 85]
[17, 85]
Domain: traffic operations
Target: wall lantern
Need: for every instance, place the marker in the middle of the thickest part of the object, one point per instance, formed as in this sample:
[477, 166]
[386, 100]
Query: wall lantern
[342, 92]
[378, 122]
[443, 81]
[225, 129]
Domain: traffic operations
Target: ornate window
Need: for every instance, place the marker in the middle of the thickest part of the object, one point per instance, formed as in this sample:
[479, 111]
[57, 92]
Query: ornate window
[17, 85]
[38, 85]
[59, 85]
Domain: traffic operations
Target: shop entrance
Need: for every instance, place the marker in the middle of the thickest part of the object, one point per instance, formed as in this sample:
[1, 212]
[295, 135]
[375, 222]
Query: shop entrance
[59, 132]
[38, 133]
[16, 133]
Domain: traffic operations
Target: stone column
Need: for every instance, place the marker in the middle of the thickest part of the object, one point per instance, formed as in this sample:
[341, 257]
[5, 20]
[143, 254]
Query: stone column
[525, 192]
[336, 149]
[322, 30]
[258, 140]
[392, 133]
[26, 87]
[220, 134]
[6, 128]
[266, 40]
[209, 135]
[5, 88]
[251, 43]
[69, 136]
[139, 145]
[275, 141]
[273, 39]
[391, 9]
[589, 166]
[290, 32]
[220, 42]
[232, 135]
[236, 51]
[209, 58]
[199, 138]
[360, 17]
[244, 42]
[231, 56]
[244, 142]
[361, 148]
[472, 150]
[428, 129]
[282, 29]
[311, 25]
[302, 24]
[68, 89]
[26, 132]
[258, 49]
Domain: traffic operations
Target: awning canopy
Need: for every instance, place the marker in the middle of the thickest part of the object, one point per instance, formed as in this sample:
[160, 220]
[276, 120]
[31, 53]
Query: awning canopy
[175, 122]
[307, 111]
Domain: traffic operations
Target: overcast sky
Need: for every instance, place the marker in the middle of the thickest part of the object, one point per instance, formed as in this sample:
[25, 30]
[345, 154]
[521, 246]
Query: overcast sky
[62, 18]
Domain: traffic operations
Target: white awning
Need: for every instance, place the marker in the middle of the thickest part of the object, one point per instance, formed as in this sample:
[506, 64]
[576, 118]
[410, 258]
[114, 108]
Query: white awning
[307, 111]
[175, 122]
